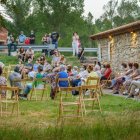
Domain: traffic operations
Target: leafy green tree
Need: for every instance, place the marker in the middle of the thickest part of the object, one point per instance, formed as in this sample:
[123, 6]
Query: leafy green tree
[18, 11]
[128, 11]
[110, 10]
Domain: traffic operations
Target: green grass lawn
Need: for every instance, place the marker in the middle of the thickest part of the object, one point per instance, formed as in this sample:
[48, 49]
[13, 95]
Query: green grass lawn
[119, 119]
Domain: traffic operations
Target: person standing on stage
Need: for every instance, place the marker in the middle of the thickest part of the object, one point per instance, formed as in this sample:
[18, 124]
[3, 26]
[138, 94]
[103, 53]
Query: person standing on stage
[75, 39]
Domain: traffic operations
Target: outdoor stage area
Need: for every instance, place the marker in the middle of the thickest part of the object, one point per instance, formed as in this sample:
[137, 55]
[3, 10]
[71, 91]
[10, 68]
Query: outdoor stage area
[119, 119]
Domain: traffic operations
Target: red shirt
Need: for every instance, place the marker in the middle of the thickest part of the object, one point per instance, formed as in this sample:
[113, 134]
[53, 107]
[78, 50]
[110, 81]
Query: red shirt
[107, 73]
[27, 41]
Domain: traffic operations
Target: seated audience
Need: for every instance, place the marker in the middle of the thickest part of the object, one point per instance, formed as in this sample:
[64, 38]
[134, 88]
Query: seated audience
[3, 82]
[56, 58]
[97, 66]
[2, 65]
[126, 80]
[107, 73]
[74, 72]
[36, 65]
[15, 76]
[81, 77]
[56, 84]
[62, 59]
[38, 84]
[29, 54]
[69, 70]
[47, 66]
[124, 72]
[26, 68]
[92, 72]
[135, 84]
[21, 54]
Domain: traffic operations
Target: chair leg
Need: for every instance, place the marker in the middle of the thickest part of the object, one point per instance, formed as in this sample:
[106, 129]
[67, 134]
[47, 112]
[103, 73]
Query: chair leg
[101, 91]
[99, 103]
[84, 107]
[13, 109]
[6, 109]
[78, 110]
[35, 96]
[42, 94]
[1, 110]
[81, 109]
[31, 94]
[93, 104]
[17, 109]
[60, 113]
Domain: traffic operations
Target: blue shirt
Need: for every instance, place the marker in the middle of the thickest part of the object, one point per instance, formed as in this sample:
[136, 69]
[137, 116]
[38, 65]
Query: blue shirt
[35, 67]
[22, 38]
[63, 74]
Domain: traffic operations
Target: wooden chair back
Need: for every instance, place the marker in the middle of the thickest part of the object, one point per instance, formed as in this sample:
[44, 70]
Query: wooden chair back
[93, 81]
[46, 86]
[9, 99]
[23, 81]
[92, 91]
[63, 104]
[14, 91]
[11, 68]
[64, 80]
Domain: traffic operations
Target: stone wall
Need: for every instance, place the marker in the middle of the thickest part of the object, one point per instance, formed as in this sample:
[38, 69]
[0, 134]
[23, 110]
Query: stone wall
[122, 48]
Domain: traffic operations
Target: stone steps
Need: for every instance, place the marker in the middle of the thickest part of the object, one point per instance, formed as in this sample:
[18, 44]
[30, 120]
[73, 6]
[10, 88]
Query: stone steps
[90, 60]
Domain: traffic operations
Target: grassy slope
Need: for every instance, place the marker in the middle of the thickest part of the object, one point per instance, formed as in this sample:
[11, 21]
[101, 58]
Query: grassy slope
[37, 120]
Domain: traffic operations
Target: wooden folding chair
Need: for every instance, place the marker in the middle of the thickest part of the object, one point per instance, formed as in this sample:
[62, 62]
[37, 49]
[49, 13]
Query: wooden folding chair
[40, 91]
[96, 80]
[9, 99]
[6, 70]
[62, 80]
[5, 74]
[105, 82]
[23, 82]
[63, 103]
[93, 93]
[11, 68]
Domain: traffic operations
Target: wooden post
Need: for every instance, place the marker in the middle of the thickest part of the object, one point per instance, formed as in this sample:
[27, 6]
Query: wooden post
[109, 51]
[99, 52]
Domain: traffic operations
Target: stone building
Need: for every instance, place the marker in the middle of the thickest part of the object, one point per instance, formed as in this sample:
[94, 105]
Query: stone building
[3, 36]
[121, 44]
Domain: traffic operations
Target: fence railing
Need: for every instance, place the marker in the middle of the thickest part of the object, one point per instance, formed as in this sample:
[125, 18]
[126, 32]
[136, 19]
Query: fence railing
[50, 47]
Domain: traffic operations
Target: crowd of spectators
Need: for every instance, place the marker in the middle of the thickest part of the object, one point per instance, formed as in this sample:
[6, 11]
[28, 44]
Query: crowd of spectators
[22, 40]
[129, 77]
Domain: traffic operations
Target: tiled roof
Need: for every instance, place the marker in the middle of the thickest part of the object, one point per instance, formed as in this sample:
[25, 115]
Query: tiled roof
[131, 27]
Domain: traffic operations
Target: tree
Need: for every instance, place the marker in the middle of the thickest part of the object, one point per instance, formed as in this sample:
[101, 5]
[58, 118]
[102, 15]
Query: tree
[18, 11]
[128, 11]
[110, 10]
